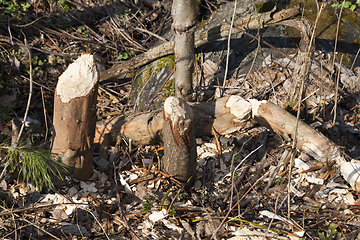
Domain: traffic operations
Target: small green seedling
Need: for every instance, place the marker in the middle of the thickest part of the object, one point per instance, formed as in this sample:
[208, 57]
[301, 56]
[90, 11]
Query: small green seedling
[347, 4]
[82, 30]
[147, 204]
[125, 56]
[330, 234]
[172, 212]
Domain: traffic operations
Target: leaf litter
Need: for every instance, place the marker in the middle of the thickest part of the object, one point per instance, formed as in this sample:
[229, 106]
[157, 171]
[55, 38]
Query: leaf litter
[158, 207]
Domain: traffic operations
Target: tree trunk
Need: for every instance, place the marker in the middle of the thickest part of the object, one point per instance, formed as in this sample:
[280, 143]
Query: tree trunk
[179, 130]
[179, 140]
[183, 12]
[75, 116]
[226, 115]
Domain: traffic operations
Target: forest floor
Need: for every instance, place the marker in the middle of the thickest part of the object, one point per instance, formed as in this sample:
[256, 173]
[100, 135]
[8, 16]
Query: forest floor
[46, 36]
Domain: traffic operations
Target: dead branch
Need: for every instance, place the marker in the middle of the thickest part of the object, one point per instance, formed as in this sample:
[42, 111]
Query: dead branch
[230, 114]
[146, 127]
[202, 37]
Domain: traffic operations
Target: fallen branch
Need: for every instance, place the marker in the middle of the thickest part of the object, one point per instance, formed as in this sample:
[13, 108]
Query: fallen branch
[230, 114]
[254, 21]
[147, 127]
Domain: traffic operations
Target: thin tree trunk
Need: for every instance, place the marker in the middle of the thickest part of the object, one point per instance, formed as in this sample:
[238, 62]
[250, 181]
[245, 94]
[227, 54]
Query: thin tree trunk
[75, 116]
[184, 12]
[179, 130]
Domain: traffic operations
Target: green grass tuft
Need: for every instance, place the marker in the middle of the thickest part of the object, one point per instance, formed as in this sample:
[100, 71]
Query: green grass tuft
[35, 166]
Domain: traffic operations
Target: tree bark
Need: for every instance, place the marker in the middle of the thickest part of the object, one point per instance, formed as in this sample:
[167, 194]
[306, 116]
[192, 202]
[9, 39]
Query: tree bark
[230, 114]
[226, 115]
[75, 116]
[184, 12]
[179, 140]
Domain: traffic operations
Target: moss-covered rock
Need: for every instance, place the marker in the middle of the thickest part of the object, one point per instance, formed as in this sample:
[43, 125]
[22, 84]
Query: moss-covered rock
[149, 80]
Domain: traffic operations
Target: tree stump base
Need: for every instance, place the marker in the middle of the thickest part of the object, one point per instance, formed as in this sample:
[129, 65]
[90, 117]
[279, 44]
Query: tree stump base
[75, 116]
[179, 140]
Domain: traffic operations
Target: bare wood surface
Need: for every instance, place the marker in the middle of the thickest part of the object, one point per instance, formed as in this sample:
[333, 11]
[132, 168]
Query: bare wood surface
[308, 140]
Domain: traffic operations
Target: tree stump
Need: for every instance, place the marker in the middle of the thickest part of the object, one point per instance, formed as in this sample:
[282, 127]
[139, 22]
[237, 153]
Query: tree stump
[179, 140]
[75, 116]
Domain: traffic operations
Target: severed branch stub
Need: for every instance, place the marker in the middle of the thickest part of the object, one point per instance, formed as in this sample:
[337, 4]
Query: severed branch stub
[75, 116]
[179, 140]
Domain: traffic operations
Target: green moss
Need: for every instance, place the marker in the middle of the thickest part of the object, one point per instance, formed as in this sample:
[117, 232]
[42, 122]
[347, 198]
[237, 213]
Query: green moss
[351, 18]
[326, 26]
[155, 68]
[346, 60]
[258, 6]
[357, 41]
[145, 76]
[291, 104]
[201, 25]
[168, 87]
[148, 71]
[168, 61]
